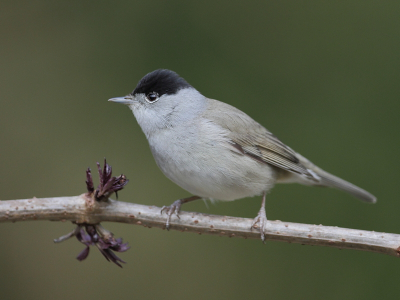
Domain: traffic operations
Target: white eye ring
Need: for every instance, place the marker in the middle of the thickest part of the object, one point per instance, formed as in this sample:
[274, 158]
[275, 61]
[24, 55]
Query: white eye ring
[152, 97]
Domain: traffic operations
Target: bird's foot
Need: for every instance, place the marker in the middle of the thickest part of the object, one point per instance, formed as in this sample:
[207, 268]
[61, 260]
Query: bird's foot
[170, 210]
[260, 222]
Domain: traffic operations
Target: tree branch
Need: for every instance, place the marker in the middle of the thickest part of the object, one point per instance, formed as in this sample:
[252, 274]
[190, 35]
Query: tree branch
[82, 209]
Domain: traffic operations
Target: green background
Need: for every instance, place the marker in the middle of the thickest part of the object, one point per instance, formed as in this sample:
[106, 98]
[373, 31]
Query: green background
[321, 75]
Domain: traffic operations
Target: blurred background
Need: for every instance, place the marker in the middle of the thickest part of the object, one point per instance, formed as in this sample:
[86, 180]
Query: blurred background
[321, 75]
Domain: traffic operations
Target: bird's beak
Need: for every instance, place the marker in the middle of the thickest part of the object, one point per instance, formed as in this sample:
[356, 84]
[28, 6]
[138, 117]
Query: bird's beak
[123, 100]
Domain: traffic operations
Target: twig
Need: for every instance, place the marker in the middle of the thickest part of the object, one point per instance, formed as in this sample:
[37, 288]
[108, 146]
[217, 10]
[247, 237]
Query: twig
[80, 209]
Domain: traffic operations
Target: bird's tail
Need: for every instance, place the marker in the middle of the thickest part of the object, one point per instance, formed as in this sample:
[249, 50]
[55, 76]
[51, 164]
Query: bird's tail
[329, 180]
[336, 182]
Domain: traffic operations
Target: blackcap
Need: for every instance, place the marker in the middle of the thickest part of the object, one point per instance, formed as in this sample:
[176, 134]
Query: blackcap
[214, 150]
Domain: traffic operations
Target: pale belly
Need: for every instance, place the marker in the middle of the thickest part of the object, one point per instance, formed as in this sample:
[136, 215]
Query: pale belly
[211, 170]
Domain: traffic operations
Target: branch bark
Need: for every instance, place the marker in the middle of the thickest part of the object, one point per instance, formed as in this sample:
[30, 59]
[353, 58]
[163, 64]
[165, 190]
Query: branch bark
[82, 209]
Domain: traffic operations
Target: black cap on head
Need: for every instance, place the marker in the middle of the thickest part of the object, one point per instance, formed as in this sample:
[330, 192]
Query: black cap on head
[161, 81]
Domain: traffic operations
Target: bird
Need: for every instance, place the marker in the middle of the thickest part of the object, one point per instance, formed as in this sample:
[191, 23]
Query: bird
[216, 151]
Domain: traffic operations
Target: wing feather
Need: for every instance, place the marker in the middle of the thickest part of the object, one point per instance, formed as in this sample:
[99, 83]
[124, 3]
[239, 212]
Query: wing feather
[257, 142]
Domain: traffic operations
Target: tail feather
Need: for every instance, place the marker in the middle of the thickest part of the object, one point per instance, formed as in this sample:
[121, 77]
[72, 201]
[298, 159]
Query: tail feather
[336, 182]
[327, 179]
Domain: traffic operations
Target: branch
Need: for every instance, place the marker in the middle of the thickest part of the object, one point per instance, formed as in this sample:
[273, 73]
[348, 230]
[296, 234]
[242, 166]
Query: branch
[82, 210]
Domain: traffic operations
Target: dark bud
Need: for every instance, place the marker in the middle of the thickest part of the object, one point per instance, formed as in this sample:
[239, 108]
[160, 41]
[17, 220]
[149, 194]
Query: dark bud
[96, 235]
[108, 184]
[89, 181]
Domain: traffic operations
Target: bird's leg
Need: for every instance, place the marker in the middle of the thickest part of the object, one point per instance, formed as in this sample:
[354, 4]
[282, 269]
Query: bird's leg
[261, 219]
[175, 208]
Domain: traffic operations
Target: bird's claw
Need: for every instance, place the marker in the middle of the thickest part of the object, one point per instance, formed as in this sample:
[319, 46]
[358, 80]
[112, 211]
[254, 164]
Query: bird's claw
[170, 210]
[261, 219]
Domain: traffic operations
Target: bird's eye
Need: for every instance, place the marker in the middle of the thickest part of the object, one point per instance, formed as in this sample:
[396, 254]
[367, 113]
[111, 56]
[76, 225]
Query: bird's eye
[151, 97]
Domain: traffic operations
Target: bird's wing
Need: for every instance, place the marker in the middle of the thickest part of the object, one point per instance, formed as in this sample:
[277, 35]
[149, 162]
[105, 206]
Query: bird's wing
[250, 138]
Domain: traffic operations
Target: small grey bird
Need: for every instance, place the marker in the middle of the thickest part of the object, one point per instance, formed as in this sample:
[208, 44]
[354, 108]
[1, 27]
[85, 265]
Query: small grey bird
[214, 150]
